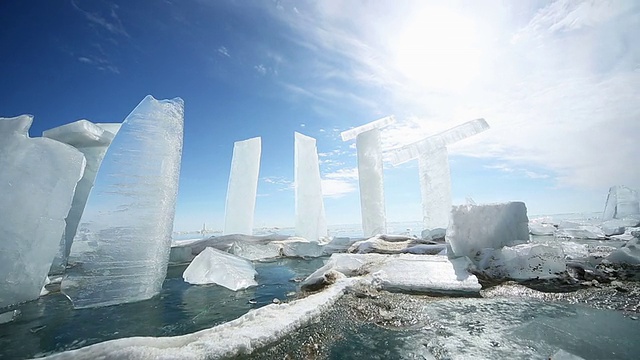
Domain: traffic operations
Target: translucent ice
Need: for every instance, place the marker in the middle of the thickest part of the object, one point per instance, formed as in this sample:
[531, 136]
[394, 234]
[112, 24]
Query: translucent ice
[92, 140]
[121, 249]
[628, 254]
[301, 248]
[378, 124]
[213, 266]
[253, 251]
[435, 188]
[38, 177]
[243, 186]
[521, 262]
[428, 145]
[475, 227]
[622, 202]
[310, 219]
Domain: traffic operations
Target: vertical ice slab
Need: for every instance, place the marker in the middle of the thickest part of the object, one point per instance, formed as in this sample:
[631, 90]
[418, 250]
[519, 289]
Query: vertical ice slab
[243, 187]
[435, 188]
[37, 181]
[121, 249]
[310, 219]
[622, 202]
[370, 174]
[92, 140]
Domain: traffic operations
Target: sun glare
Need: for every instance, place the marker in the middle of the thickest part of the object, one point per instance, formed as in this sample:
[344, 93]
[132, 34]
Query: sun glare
[438, 49]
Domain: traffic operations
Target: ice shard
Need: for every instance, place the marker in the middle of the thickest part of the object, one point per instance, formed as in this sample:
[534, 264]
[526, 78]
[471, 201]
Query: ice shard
[435, 188]
[38, 177]
[213, 266]
[310, 219]
[370, 174]
[121, 248]
[243, 187]
[92, 140]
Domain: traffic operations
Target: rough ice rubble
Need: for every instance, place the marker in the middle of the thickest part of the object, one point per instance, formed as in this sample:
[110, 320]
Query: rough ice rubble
[121, 249]
[311, 223]
[243, 187]
[395, 244]
[92, 140]
[33, 212]
[628, 254]
[213, 266]
[253, 330]
[521, 262]
[370, 174]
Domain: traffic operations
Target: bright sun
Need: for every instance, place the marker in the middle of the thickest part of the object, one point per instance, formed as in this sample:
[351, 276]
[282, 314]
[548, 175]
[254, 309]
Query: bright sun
[438, 49]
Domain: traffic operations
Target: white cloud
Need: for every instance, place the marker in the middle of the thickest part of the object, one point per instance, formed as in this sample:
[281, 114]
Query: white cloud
[335, 188]
[110, 23]
[223, 51]
[261, 69]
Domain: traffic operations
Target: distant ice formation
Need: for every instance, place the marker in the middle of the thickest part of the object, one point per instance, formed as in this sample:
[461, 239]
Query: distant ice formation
[243, 187]
[622, 202]
[93, 141]
[311, 223]
[38, 177]
[370, 174]
[121, 249]
[213, 266]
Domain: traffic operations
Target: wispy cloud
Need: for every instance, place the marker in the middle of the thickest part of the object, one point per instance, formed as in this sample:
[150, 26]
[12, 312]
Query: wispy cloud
[223, 51]
[335, 188]
[261, 69]
[101, 64]
[111, 22]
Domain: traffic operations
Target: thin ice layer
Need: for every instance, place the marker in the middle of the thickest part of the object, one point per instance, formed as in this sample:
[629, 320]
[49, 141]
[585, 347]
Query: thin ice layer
[38, 177]
[428, 145]
[475, 227]
[243, 187]
[121, 249]
[213, 266]
[311, 223]
[435, 188]
[93, 141]
[370, 178]
[378, 124]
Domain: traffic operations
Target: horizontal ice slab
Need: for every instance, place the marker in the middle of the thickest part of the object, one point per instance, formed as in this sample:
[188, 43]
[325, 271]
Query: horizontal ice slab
[81, 133]
[475, 227]
[521, 262]
[121, 249]
[428, 145]
[378, 124]
[218, 267]
[243, 187]
[37, 181]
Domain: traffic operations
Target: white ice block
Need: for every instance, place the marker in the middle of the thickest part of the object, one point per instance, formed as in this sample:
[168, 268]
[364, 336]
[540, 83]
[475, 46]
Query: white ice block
[378, 124]
[521, 262]
[243, 187]
[252, 251]
[311, 223]
[121, 249]
[370, 177]
[476, 227]
[38, 177]
[622, 202]
[428, 145]
[435, 188]
[93, 141]
[628, 254]
[301, 248]
[213, 266]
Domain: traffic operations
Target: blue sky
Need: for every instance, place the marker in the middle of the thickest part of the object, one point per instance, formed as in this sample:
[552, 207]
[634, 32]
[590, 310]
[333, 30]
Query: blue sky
[559, 83]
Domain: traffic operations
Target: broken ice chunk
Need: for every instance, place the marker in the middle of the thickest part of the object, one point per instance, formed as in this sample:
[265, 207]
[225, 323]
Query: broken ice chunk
[310, 218]
[628, 254]
[243, 186]
[38, 177]
[213, 266]
[581, 232]
[521, 262]
[252, 251]
[301, 248]
[121, 248]
[475, 227]
[541, 229]
[622, 202]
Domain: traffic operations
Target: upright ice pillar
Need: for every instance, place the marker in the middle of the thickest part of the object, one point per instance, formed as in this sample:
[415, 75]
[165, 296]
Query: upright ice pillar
[622, 202]
[37, 177]
[310, 219]
[243, 187]
[370, 174]
[121, 249]
[92, 140]
[435, 176]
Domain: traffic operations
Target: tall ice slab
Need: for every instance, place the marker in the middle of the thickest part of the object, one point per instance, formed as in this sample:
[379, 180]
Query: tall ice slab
[121, 248]
[311, 223]
[243, 187]
[435, 188]
[622, 202]
[37, 177]
[92, 141]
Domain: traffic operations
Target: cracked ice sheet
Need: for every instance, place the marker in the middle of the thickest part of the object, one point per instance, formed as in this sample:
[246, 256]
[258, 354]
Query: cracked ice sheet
[253, 330]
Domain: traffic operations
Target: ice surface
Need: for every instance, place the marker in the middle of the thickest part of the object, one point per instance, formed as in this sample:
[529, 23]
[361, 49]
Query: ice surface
[435, 188]
[311, 223]
[253, 330]
[622, 202]
[38, 177]
[370, 178]
[121, 249]
[628, 254]
[432, 143]
[251, 251]
[581, 232]
[378, 124]
[426, 249]
[612, 227]
[475, 227]
[301, 248]
[213, 266]
[541, 229]
[338, 244]
[521, 262]
[381, 245]
[92, 140]
[243, 187]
